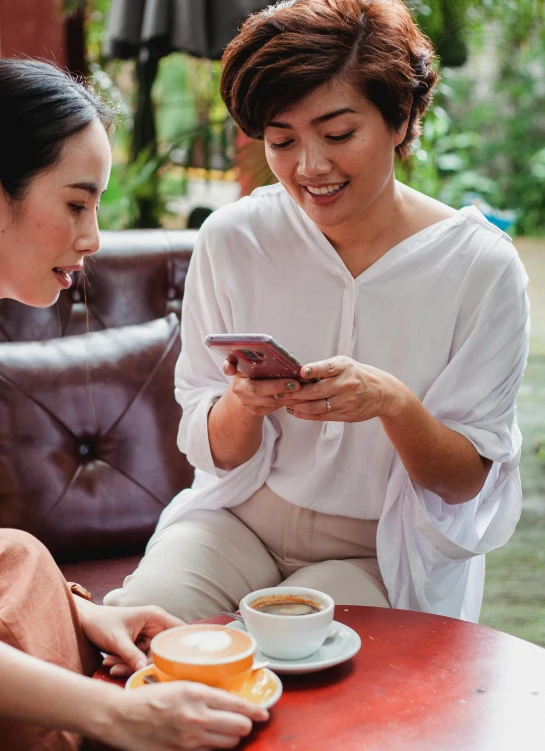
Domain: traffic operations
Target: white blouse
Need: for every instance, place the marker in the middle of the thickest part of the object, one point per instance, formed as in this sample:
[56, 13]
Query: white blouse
[445, 311]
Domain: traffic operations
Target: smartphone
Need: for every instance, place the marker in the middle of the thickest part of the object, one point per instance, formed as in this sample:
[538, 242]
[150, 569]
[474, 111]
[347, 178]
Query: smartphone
[258, 356]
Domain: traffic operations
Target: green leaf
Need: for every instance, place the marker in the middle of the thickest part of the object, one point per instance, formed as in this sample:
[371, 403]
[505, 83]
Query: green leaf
[450, 162]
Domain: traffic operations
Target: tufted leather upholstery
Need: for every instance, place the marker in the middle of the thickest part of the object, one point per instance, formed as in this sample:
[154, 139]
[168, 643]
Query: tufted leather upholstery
[88, 421]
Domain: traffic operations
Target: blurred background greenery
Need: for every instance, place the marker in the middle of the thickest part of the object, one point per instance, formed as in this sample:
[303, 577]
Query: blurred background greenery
[484, 137]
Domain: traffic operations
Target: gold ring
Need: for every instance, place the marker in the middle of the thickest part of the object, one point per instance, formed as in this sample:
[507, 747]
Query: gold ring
[328, 405]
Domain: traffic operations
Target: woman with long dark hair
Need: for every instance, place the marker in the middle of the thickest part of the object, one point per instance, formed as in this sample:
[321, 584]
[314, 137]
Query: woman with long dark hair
[54, 164]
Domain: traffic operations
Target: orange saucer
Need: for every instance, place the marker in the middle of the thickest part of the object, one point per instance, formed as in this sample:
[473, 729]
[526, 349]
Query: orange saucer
[263, 687]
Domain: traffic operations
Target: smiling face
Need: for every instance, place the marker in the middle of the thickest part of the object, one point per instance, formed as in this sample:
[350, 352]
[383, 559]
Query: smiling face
[46, 236]
[334, 154]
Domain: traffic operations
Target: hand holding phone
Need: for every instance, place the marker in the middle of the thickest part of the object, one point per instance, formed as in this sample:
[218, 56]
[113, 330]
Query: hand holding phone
[265, 375]
[258, 356]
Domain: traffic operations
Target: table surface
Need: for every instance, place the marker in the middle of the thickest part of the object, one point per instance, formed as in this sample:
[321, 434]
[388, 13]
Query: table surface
[419, 683]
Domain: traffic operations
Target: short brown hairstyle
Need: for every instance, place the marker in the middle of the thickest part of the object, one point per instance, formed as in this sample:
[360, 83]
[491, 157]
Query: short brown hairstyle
[283, 53]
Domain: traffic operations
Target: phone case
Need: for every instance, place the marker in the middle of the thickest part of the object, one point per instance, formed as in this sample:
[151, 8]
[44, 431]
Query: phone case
[258, 356]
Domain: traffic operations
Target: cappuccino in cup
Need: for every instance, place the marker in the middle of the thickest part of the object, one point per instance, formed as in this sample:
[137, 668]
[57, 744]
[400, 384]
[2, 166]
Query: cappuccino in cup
[218, 656]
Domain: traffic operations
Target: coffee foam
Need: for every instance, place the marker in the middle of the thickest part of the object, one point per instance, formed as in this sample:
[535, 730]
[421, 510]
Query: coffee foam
[207, 641]
[202, 645]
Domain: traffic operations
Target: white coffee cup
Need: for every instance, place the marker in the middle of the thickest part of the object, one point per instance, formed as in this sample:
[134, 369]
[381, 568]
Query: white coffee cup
[288, 637]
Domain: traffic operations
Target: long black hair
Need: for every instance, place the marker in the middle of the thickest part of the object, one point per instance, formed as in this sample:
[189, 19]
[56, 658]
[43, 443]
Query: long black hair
[41, 107]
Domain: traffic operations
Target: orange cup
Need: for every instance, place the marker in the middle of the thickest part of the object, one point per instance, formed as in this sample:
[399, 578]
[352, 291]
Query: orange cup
[215, 655]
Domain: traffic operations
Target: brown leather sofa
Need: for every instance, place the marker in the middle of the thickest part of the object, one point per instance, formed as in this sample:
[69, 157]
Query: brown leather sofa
[88, 420]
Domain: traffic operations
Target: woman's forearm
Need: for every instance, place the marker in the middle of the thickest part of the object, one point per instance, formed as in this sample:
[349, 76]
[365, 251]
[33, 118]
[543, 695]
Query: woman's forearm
[234, 433]
[435, 457]
[38, 693]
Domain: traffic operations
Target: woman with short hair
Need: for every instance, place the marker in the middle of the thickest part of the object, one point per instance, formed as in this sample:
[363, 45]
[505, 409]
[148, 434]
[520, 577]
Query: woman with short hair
[385, 482]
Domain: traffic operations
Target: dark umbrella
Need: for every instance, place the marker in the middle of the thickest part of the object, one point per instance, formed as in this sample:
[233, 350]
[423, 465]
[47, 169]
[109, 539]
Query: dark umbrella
[202, 28]
[150, 29]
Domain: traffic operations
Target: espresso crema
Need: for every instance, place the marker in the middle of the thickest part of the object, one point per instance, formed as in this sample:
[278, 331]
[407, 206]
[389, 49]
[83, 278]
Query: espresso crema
[287, 605]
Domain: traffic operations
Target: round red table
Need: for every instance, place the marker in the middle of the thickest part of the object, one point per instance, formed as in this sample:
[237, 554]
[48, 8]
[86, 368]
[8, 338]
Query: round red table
[419, 683]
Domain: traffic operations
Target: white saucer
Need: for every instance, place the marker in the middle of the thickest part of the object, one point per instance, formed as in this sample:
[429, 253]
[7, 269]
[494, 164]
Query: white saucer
[339, 648]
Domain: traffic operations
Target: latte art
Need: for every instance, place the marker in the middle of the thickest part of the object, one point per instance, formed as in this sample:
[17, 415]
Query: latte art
[206, 641]
[201, 644]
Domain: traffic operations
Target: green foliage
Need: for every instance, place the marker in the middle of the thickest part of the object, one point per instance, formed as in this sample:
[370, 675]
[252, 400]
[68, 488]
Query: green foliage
[130, 183]
[491, 143]
[186, 93]
[69, 6]
[443, 164]
[97, 11]
[485, 139]
[193, 126]
[190, 120]
[445, 22]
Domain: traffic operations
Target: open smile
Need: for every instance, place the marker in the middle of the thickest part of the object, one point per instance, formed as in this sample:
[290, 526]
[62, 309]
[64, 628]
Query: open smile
[323, 195]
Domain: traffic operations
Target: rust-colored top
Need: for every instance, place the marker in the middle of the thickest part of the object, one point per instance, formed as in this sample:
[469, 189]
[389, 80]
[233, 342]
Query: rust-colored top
[419, 683]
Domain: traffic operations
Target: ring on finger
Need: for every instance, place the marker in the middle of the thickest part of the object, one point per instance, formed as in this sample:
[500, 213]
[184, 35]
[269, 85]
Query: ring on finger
[328, 405]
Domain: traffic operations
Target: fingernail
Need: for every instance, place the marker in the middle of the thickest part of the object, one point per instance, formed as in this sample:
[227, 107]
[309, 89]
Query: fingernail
[289, 411]
[290, 385]
[308, 371]
[279, 396]
[141, 664]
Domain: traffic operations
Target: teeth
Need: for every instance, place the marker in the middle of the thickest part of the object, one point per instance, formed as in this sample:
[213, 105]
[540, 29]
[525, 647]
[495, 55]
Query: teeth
[66, 275]
[324, 189]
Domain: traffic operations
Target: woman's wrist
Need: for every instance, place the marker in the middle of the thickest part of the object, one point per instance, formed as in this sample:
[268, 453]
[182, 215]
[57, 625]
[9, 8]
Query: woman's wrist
[234, 432]
[397, 399]
[40, 693]
[86, 609]
[232, 403]
[95, 713]
[229, 411]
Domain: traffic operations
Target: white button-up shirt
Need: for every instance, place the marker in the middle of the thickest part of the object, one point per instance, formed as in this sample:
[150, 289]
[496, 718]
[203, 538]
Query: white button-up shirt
[445, 311]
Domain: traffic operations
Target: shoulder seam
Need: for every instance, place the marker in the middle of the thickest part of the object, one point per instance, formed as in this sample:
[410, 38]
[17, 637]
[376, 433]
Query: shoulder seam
[483, 221]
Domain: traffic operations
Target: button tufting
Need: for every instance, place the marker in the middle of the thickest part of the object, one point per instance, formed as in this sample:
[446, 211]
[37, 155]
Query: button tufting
[76, 295]
[172, 293]
[85, 449]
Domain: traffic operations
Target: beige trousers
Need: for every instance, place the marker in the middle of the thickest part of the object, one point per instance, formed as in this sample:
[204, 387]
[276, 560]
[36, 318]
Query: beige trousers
[210, 560]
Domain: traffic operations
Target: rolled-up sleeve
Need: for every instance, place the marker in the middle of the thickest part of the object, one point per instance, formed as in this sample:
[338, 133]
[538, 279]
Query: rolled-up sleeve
[475, 396]
[476, 393]
[199, 379]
